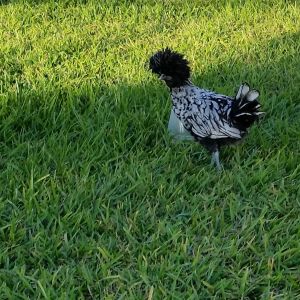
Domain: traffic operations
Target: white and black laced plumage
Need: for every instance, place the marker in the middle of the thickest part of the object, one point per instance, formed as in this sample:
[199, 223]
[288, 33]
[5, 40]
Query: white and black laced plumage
[213, 119]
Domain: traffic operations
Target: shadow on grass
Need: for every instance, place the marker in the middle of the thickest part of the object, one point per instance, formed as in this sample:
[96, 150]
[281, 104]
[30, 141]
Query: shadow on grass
[94, 168]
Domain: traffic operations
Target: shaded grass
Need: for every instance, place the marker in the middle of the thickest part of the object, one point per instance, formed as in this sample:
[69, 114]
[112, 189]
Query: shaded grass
[96, 199]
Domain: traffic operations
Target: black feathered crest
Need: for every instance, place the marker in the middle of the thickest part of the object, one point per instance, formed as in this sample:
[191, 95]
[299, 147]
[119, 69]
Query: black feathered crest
[171, 63]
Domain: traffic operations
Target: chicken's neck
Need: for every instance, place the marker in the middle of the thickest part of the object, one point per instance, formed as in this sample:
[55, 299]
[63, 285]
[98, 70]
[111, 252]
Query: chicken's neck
[182, 91]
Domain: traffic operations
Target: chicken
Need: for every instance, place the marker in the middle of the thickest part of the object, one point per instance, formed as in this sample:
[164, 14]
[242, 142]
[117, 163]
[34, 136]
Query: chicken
[212, 119]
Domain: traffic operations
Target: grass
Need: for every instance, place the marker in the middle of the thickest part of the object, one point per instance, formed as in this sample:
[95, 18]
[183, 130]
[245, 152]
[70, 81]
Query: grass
[96, 199]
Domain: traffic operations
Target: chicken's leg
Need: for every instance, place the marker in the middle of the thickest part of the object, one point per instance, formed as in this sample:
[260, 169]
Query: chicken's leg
[215, 160]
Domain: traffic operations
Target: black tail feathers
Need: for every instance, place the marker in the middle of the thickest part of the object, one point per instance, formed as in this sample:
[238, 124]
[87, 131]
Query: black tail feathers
[245, 109]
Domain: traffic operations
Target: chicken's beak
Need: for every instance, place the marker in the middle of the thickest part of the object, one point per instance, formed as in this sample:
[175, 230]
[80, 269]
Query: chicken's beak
[162, 77]
[165, 77]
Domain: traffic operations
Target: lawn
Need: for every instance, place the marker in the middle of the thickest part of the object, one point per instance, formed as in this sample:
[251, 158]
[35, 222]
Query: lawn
[97, 201]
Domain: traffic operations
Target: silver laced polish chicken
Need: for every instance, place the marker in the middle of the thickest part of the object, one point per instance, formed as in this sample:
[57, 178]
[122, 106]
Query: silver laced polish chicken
[212, 119]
